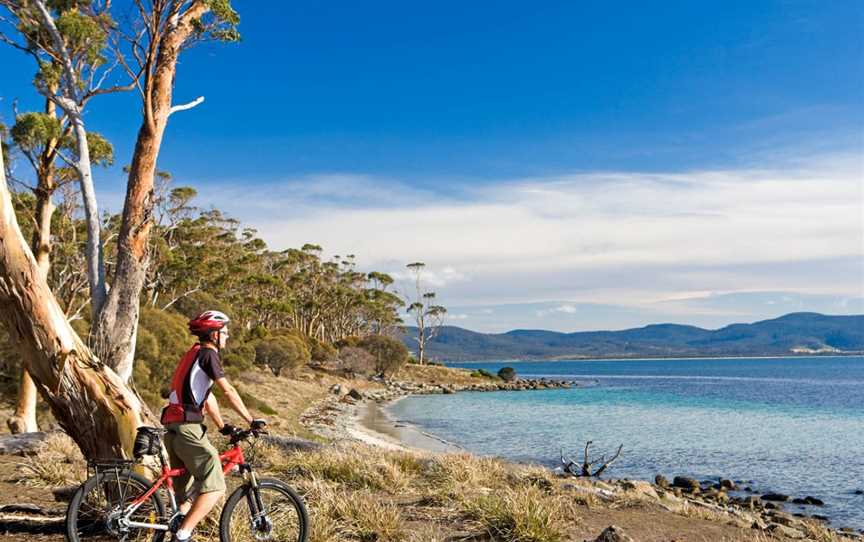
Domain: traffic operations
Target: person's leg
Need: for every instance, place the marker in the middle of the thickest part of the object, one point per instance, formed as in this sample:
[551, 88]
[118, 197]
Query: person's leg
[204, 503]
[182, 484]
[202, 460]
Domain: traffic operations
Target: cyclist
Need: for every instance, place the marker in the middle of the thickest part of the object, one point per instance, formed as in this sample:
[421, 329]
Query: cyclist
[189, 399]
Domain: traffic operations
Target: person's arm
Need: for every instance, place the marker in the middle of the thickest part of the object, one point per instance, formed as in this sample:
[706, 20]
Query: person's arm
[234, 399]
[211, 407]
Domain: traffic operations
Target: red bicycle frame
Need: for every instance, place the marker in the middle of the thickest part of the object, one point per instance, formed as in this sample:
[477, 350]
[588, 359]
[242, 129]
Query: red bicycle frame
[230, 459]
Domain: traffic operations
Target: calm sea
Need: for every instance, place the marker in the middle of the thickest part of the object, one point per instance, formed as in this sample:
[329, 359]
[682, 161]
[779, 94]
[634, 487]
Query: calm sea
[789, 425]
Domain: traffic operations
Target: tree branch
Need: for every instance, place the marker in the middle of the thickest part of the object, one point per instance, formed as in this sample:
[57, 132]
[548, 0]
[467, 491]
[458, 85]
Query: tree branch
[184, 107]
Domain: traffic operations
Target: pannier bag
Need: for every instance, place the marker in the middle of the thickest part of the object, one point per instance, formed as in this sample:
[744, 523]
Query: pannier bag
[147, 442]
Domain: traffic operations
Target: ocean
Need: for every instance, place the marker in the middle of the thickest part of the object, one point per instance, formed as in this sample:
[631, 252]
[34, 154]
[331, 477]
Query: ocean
[788, 425]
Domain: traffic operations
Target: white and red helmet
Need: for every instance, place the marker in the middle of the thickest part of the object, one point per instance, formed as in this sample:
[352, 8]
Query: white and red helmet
[208, 321]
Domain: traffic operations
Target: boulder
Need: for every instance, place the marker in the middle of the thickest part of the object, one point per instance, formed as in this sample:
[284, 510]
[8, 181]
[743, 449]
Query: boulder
[784, 531]
[661, 481]
[727, 484]
[641, 488]
[689, 485]
[613, 534]
[775, 497]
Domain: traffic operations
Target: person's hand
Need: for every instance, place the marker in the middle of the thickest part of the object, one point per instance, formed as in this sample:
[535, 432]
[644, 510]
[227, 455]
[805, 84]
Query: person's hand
[229, 429]
[258, 424]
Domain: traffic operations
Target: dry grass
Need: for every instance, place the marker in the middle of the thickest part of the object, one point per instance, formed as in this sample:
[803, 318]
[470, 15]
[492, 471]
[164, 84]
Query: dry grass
[57, 462]
[367, 517]
[351, 465]
[525, 514]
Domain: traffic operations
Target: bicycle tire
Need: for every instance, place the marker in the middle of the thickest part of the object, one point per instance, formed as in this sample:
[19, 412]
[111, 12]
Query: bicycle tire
[235, 523]
[87, 513]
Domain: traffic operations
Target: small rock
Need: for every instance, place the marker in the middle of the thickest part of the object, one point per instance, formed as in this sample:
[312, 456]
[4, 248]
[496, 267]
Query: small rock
[689, 485]
[820, 517]
[775, 497]
[858, 492]
[336, 389]
[661, 481]
[641, 488]
[727, 484]
[354, 394]
[613, 534]
[813, 501]
[770, 506]
[788, 532]
[758, 524]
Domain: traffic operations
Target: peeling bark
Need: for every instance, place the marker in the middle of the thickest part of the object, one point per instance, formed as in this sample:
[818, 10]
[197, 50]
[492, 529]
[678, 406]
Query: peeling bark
[90, 402]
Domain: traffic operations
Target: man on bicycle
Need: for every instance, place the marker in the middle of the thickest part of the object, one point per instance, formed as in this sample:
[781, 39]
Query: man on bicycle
[189, 399]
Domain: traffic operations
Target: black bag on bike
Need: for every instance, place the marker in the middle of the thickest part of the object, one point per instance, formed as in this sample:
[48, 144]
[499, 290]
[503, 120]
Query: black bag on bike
[147, 442]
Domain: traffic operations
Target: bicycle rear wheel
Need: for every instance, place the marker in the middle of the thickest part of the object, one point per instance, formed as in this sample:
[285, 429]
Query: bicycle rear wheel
[281, 516]
[95, 508]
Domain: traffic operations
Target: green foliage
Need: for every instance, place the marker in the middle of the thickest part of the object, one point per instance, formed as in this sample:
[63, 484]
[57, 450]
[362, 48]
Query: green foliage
[390, 354]
[483, 373]
[163, 338]
[281, 352]
[84, 36]
[321, 351]
[220, 23]
[507, 374]
[32, 131]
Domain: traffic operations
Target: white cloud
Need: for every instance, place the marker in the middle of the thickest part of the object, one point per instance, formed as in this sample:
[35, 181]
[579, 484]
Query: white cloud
[624, 238]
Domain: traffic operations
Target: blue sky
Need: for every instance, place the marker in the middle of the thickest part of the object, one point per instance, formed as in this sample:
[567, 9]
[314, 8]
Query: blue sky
[567, 165]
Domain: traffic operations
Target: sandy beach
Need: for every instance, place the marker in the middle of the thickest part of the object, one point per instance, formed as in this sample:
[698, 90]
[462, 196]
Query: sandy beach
[370, 423]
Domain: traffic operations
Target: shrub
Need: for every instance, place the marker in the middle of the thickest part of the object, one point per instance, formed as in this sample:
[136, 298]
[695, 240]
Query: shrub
[320, 351]
[507, 374]
[482, 373]
[390, 354]
[351, 341]
[521, 515]
[281, 352]
[356, 360]
[163, 338]
[238, 357]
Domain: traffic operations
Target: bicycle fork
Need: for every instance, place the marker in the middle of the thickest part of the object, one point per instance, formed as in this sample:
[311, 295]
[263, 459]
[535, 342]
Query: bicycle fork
[259, 521]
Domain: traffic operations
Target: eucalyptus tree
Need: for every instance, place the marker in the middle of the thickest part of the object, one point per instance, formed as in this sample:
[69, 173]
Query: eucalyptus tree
[42, 138]
[89, 399]
[149, 51]
[428, 316]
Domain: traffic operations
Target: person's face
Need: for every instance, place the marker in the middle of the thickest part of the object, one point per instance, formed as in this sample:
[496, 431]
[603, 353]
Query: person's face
[223, 337]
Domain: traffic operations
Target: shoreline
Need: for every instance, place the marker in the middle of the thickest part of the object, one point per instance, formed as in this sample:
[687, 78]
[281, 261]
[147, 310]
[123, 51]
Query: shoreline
[367, 421]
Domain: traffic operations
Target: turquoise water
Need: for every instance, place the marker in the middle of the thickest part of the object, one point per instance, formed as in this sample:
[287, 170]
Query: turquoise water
[790, 425]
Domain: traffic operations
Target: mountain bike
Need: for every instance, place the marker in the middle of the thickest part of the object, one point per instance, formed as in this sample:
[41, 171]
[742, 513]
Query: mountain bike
[118, 504]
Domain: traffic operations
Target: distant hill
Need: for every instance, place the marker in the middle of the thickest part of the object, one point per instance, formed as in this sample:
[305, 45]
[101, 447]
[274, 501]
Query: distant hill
[796, 333]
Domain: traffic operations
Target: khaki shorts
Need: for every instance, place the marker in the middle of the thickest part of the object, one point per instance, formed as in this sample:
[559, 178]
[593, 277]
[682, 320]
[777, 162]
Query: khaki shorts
[188, 447]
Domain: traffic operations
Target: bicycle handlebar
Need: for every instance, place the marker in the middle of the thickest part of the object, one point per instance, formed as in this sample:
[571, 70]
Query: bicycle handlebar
[244, 434]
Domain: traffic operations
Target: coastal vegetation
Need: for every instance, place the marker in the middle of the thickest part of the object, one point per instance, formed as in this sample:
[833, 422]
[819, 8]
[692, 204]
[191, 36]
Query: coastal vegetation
[356, 491]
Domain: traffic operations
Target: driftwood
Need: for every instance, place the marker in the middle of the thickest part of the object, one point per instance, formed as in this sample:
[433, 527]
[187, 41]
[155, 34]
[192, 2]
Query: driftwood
[571, 467]
[21, 443]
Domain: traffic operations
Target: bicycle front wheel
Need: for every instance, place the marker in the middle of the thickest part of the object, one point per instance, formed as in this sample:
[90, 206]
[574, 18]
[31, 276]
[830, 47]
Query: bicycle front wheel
[271, 512]
[95, 513]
